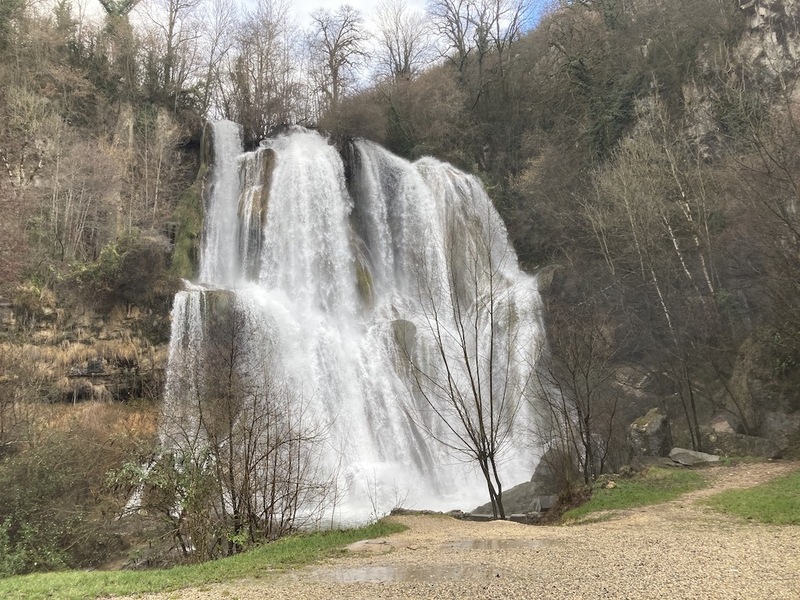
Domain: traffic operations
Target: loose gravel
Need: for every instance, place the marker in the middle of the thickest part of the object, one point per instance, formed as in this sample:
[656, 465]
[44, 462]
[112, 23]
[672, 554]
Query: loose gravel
[677, 550]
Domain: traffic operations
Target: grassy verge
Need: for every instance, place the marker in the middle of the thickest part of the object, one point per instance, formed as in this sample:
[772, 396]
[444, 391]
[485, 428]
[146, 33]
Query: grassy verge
[652, 486]
[289, 552]
[775, 502]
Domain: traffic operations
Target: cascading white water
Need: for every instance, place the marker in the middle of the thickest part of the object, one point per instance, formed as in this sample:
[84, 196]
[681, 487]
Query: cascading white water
[352, 301]
[219, 255]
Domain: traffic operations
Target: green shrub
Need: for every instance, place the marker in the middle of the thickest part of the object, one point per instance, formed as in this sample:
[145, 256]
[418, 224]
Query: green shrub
[50, 505]
[133, 269]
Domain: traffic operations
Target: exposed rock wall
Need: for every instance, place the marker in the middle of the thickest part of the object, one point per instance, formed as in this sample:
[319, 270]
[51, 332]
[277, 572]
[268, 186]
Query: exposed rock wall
[77, 353]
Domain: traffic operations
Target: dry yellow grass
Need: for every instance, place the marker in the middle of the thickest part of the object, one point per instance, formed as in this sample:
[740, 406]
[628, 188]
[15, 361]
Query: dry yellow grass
[53, 360]
[108, 420]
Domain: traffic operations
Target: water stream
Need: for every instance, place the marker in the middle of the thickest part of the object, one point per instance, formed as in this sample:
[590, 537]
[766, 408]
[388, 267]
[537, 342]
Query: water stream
[358, 305]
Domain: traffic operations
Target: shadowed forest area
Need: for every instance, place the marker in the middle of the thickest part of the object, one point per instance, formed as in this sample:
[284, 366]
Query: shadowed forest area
[644, 156]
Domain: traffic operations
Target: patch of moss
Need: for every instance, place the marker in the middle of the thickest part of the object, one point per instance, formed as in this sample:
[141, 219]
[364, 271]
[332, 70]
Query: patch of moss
[189, 217]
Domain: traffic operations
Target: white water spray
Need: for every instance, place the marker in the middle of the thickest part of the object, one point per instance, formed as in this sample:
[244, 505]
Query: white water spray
[339, 294]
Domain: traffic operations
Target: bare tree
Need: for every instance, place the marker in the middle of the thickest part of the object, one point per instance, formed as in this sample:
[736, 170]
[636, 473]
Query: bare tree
[470, 365]
[175, 41]
[453, 21]
[336, 43]
[404, 36]
[263, 87]
[579, 387]
[473, 29]
[241, 460]
[220, 21]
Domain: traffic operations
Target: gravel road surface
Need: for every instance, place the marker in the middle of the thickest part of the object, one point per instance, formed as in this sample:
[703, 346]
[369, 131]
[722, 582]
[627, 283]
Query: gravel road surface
[677, 550]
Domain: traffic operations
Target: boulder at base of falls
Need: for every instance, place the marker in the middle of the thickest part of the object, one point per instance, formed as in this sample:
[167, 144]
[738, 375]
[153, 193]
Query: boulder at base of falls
[650, 435]
[522, 499]
[553, 474]
[779, 427]
[725, 423]
[691, 458]
[730, 443]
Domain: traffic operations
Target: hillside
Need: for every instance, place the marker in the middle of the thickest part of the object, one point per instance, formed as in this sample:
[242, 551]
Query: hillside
[643, 156]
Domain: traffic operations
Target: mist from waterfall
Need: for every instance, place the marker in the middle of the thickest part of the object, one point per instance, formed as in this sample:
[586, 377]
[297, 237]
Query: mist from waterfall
[342, 285]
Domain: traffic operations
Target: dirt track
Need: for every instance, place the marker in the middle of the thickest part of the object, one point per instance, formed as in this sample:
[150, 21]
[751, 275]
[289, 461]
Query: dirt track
[677, 550]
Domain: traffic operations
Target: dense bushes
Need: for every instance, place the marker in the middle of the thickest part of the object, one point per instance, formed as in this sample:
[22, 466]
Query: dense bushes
[133, 269]
[55, 512]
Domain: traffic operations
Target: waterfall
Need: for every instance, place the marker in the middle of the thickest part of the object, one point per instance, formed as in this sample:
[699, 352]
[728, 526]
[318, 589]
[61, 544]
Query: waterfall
[345, 295]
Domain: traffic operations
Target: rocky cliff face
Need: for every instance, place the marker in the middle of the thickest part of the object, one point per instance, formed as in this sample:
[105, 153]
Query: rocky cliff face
[771, 43]
[58, 353]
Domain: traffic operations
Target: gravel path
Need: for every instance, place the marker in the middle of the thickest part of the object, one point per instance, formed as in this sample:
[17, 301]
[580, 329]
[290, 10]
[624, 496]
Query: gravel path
[676, 550]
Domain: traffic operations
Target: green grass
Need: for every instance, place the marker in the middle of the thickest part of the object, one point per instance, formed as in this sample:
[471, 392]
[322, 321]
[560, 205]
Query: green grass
[652, 486]
[289, 552]
[775, 502]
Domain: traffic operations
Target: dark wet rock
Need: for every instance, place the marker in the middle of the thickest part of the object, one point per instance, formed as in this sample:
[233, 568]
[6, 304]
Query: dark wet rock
[522, 499]
[553, 473]
[518, 499]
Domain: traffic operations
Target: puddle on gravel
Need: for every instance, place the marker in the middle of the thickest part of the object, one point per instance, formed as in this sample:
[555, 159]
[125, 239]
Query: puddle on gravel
[406, 574]
[493, 544]
[430, 572]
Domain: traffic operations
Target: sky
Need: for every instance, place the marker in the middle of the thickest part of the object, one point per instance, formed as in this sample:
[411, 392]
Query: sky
[302, 9]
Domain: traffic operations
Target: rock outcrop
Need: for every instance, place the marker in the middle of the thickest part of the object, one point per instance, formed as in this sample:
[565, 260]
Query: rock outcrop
[650, 435]
[730, 443]
[779, 427]
[77, 353]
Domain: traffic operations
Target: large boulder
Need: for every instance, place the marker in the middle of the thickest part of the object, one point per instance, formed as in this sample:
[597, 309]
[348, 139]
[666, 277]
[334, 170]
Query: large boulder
[555, 472]
[691, 458]
[728, 443]
[725, 423]
[518, 499]
[650, 435]
[521, 499]
[780, 427]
